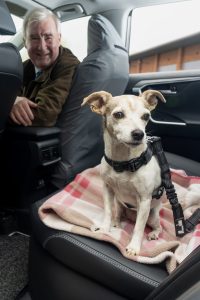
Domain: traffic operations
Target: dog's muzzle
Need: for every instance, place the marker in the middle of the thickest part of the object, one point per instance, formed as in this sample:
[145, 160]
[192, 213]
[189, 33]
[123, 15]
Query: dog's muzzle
[137, 135]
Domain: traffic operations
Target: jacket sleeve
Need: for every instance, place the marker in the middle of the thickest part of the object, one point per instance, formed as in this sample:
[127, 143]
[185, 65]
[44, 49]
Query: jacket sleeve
[53, 93]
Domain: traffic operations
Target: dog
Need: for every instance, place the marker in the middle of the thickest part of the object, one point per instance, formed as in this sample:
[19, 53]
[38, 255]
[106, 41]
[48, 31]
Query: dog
[124, 121]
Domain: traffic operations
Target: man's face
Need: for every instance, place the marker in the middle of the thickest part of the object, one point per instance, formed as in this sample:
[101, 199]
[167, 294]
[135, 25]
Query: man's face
[42, 42]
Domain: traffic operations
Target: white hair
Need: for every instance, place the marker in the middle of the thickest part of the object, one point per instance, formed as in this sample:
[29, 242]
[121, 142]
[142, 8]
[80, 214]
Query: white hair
[38, 14]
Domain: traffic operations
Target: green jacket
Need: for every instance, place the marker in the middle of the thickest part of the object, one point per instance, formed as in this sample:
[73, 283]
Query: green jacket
[51, 89]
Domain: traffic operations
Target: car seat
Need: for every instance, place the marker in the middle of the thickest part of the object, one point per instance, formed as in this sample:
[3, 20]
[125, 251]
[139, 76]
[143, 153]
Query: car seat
[11, 75]
[63, 265]
[68, 266]
[10, 67]
[106, 67]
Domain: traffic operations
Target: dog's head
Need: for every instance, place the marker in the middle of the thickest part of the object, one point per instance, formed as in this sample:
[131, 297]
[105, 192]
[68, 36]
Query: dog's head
[125, 116]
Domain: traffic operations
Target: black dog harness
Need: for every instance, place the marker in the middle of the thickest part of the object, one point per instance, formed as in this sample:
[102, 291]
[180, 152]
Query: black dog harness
[182, 226]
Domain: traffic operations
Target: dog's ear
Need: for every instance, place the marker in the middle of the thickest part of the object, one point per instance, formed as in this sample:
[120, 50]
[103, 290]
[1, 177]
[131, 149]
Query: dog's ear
[97, 101]
[151, 98]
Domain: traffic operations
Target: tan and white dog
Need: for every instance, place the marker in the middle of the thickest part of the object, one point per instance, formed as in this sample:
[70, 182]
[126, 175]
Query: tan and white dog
[125, 118]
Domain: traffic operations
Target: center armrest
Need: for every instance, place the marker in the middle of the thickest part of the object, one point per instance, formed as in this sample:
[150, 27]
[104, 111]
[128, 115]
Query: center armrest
[33, 133]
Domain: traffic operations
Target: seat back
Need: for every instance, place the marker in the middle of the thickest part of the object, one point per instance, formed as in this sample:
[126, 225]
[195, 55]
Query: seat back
[106, 67]
[7, 26]
[10, 80]
[10, 67]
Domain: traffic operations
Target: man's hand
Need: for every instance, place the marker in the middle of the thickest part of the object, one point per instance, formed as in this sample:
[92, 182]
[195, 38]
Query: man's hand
[21, 112]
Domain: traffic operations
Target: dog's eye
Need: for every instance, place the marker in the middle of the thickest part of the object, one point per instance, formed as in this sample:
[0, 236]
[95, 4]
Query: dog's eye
[118, 115]
[145, 117]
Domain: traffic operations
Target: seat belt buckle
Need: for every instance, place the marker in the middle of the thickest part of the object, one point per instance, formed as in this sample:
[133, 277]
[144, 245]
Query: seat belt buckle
[192, 221]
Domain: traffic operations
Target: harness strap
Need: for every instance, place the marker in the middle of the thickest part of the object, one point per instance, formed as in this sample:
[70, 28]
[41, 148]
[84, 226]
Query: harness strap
[133, 164]
[182, 226]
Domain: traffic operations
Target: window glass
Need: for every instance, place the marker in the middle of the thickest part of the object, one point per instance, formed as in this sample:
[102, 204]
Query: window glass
[165, 37]
[74, 36]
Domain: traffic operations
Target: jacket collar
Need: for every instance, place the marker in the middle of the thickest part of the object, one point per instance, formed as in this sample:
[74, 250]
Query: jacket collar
[29, 70]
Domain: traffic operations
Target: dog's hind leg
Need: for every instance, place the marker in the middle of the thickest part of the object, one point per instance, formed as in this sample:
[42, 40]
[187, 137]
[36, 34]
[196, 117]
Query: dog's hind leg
[154, 223]
[116, 220]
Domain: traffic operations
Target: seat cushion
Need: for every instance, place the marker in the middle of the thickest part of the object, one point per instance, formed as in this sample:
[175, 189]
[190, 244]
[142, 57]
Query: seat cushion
[191, 167]
[99, 261]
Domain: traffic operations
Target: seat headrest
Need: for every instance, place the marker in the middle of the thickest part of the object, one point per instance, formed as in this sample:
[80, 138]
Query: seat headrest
[102, 34]
[7, 26]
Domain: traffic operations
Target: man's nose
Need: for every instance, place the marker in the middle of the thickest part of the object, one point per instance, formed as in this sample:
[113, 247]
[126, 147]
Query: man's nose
[42, 43]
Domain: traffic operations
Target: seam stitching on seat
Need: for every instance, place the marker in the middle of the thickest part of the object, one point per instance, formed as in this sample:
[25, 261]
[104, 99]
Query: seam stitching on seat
[106, 258]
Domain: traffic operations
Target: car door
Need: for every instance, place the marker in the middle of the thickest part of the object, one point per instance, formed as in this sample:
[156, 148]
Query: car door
[177, 121]
[165, 56]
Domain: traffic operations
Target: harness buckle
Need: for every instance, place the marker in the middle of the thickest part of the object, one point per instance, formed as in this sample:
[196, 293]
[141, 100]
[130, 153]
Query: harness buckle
[180, 227]
[117, 167]
[158, 193]
[134, 166]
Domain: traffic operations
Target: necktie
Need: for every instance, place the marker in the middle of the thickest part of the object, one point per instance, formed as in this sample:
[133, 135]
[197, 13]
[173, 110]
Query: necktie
[38, 73]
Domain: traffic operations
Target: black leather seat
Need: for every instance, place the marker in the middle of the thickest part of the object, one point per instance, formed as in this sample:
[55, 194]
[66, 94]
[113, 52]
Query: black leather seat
[191, 167]
[10, 67]
[11, 75]
[68, 266]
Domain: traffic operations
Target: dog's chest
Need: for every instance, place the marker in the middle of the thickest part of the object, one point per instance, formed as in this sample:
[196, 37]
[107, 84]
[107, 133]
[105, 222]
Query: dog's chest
[124, 190]
[131, 187]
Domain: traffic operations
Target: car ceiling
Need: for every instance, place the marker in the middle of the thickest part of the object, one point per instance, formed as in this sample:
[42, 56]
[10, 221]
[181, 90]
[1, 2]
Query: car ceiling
[102, 3]
[19, 7]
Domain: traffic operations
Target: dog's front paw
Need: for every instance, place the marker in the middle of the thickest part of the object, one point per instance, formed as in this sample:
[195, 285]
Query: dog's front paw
[132, 250]
[153, 235]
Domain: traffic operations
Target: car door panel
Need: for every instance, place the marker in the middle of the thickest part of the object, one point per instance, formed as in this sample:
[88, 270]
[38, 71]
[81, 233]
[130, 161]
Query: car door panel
[177, 121]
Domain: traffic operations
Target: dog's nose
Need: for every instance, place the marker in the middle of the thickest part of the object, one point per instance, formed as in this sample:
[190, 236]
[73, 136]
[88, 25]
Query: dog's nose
[137, 134]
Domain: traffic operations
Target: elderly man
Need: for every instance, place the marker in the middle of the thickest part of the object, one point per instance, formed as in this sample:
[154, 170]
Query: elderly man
[47, 74]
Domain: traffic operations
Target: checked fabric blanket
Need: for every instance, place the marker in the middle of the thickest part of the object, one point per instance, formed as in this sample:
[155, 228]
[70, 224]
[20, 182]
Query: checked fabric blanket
[79, 206]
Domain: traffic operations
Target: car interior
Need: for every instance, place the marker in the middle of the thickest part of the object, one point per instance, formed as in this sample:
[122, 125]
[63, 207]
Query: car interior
[38, 162]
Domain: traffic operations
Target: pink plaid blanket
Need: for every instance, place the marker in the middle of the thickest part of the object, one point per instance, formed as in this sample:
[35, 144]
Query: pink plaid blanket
[79, 206]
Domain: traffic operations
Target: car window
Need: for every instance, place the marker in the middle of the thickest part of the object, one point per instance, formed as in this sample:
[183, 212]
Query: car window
[165, 38]
[74, 36]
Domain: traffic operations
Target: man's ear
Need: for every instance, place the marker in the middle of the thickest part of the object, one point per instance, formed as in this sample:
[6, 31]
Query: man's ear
[97, 101]
[150, 98]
